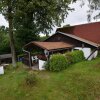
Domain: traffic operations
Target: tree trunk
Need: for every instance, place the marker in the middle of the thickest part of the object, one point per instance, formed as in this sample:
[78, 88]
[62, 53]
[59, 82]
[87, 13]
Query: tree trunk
[12, 43]
[10, 21]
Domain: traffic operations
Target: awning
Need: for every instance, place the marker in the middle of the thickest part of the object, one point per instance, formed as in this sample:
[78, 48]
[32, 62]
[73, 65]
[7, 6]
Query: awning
[50, 46]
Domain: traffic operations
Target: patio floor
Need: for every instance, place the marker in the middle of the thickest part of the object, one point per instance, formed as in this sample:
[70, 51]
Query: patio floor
[35, 67]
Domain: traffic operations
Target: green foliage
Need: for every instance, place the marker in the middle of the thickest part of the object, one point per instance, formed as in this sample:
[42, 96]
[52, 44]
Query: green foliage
[42, 38]
[31, 79]
[34, 16]
[7, 8]
[4, 40]
[57, 63]
[69, 57]
[25, 37]
[75, 56]
[68, 25]
[40, 16]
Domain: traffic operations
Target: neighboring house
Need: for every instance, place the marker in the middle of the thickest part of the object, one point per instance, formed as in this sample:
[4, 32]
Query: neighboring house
[84, 37]
[5, 58]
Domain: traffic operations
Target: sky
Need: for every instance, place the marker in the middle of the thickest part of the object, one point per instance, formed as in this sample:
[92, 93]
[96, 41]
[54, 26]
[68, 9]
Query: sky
[3, 21]
[78, 16]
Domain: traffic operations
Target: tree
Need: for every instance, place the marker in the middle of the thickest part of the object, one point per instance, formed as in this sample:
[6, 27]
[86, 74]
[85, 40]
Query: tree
[68, 25]
[4, 41]
[23, 37]
[40, 16]
[7, 9]
[35, 17]
[93, 5]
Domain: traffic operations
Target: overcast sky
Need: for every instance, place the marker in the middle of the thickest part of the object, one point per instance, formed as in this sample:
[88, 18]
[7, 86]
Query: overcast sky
[79, 16]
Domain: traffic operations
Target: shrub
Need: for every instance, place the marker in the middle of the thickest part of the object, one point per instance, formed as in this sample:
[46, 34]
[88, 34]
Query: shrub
[46, 65]
[69, 57]
[30, 79]
[57, 62]
[75, 56]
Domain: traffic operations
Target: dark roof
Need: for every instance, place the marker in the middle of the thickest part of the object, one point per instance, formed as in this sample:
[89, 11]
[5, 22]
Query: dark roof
[90, 32]
[4, 56]
[51, 45]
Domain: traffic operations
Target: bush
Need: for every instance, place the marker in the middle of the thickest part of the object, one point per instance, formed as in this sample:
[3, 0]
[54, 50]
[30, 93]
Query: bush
[69, 57]
[31, 79]
[57, 62]
[75, 56]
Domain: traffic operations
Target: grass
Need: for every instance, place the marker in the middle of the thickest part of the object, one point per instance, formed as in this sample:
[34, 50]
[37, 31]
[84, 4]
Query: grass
[80, 81]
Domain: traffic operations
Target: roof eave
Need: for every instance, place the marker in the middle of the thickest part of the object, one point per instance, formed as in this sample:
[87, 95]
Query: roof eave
[60, 49]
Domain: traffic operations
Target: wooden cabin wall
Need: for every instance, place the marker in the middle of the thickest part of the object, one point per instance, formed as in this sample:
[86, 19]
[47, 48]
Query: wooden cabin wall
[58, 37]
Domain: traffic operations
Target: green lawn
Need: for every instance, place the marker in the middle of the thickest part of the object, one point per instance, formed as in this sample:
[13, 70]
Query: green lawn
[80, 81]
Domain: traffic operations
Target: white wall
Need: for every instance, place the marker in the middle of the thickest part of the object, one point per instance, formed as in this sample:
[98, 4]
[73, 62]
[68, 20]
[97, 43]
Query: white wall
[87, 52]
[41, 64]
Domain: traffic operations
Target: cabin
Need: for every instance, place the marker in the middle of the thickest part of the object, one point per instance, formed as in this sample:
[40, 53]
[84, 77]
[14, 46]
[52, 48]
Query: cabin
[5, 58]
[85, 37]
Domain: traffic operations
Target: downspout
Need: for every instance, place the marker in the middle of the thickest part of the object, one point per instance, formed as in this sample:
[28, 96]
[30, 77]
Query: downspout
[29, 55]
[93, 52]
[46, 54]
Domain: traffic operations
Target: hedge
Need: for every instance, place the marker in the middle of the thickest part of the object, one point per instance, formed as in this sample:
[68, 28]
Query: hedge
[57, 62]
[75, 56]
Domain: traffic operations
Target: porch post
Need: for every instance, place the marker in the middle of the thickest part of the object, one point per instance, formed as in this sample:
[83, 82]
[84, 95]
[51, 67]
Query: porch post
[29, 59]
